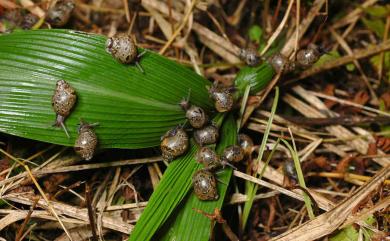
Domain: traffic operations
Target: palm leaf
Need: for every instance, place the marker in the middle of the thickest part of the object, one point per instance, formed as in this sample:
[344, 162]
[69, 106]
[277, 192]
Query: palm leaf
[133, 109]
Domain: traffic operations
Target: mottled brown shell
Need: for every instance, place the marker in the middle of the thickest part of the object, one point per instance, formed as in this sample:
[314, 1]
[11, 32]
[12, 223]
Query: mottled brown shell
[174, 143]
[250, 57]
[86, 142]
[64, 98]
[207, 135]
[205, 185]
[307, 57]
[123, 48]
[246, 144]
[59, 14]
[207, 157]
[280, 63]
[233, 153]
[196, 116]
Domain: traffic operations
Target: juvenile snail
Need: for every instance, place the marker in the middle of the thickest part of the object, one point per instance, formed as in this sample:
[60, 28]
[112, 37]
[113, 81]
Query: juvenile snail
[223, 98]
[207, 157]
[207, 135]
[63, 100]
[289, 170]
[205, 185]
[194, 114]
[246, 144]
[174, 143]
[86, 142]
[29, 20]
[123, 48]
[281, 63]
[250, 56]
[232, 153]
[307, 57]
[59, 14]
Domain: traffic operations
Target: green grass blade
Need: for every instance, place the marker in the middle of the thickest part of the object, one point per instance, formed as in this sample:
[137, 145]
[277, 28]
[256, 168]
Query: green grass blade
[173, 188]
[251, 188]
[301, 179]
[133, 109]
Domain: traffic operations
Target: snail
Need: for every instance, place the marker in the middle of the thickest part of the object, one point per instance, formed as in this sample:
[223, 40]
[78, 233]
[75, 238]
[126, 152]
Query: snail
[58, 15]
[63, 100]
[207, 157]
[289, 170]
[29, 20]
[246, 144]
[281, 63]
[207, 135]
[123, 48]
[307, 57]
[250, 56]
[205, 185]
[223, 97]
[174, 143]
[233, 153]
[195, 115]
[87, 141]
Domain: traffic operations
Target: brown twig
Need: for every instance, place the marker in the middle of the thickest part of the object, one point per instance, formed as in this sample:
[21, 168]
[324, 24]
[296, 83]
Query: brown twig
[91, 211]
[20, 232]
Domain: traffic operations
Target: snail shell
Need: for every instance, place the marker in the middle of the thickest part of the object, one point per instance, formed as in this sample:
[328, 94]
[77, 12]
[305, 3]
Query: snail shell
[207, 135]
[307, 57]
[205, 185]
[59, 14]
[174, 143]
[250, 57]
[223, 98]
[207, 157]
[123, 48]
[280, 63]
[196, 116]
[246, 144]
[63, 100]
[86, 142]
[233, 153]
[289, 170]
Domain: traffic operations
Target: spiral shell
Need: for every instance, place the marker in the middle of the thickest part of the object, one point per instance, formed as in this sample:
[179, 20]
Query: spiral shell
[233, 153]
[123, 48]
[59, 14]
[174, 143]
[86, 142]
[205, 185]
[207, 135]
[196, 116]
[250, 57]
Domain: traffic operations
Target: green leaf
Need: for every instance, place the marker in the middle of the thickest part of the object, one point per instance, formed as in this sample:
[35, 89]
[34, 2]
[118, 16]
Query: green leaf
[257, 77]
[349, 233]
[133, 109]
[378, 11]
[376, 25]
[256, 33]
[173, 187]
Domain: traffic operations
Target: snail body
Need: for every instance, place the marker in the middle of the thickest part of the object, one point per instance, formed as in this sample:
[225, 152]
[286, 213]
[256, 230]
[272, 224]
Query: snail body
[174, 143]
[86, 142]
[63, 101]
[205, 185]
